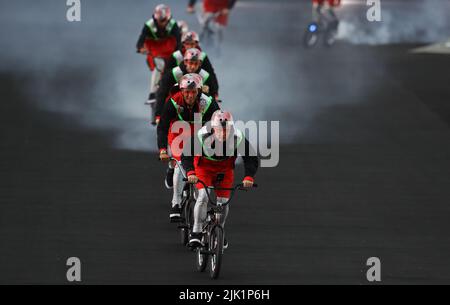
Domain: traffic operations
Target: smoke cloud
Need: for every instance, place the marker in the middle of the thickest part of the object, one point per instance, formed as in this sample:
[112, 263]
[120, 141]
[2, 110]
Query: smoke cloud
[89, 70]
[402, 22]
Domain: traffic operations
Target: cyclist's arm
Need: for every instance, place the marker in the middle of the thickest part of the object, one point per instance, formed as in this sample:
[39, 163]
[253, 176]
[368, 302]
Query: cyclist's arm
[167, 83]
[170, 64]
[213, 108]
[212, 82]
[168, 113]
[176, 31]
[187, 158]
[251, 160]
[213, 85]
[144, 34]
[207, 66]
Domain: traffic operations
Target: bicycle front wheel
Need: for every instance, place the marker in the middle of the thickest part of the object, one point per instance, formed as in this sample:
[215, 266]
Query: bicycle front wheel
[201, 258]
[216, 250]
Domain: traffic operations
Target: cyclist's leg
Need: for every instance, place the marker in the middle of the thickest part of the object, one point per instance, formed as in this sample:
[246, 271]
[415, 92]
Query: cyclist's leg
[317, 11]
[224, 196]
[333, 16]
[191, 6]
[159, 64]
[329, 7]
[200, 210]
[333, 20]
[156, 77]
[226, 209]
[178, 186]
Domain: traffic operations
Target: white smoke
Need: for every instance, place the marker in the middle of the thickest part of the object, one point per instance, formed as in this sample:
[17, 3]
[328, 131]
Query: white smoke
[89, 70]
[402, 22]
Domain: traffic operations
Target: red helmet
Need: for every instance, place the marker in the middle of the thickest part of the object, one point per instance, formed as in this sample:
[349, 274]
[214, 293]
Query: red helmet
[191, 81]
[222, 119]
[190, 37]
[193, 54]
[162, 13]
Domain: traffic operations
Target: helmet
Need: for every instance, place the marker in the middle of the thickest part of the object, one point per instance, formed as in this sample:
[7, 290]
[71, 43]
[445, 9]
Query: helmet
[222, 119]
[184, 27]
[191, 81]
[162, 13]
[190, 37]
[193, 54]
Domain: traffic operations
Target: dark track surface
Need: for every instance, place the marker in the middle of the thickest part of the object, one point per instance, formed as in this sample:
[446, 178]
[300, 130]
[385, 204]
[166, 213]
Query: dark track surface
[366, 178]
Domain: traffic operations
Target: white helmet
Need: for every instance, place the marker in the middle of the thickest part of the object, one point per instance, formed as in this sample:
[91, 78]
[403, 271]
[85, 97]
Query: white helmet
[222, 119]
[162, 13]
[190, 37]
[193, 54]
[191, 81]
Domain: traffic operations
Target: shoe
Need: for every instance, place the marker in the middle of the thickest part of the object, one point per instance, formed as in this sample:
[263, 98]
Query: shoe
[190, 9]
[175, 214]
[225, 243]
[151, 99]
[169, 178]
[195, 240]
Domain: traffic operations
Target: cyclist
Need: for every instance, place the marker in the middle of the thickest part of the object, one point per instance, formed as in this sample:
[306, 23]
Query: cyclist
[213, 7]
[329, 6]
[192, 63]
[226, 141]
[189, 40]
[181, 107]
[159, 38]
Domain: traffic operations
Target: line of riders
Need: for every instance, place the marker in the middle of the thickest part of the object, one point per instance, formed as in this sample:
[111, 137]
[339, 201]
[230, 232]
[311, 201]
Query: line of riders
[183, 87]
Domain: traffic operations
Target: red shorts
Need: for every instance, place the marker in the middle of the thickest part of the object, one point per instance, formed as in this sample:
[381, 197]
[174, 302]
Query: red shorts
[163, 48]
[214, 6]
[332, 3]
[207, 171]
[209, 177]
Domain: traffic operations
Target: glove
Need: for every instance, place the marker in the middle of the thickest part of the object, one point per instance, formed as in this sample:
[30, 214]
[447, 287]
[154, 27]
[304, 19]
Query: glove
[247, 182]
[193, 179]
[163, 156]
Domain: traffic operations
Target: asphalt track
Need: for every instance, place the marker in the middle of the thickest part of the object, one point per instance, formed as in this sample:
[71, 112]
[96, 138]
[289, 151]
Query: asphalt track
[368, 175]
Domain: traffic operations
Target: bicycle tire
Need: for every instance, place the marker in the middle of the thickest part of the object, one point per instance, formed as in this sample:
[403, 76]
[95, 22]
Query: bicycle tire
[329, 39]
[216, 250]
[201, 260]
[331, 34]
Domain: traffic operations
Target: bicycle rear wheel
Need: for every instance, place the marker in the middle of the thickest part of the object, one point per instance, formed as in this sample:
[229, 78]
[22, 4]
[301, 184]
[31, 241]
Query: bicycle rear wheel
[216, 250]
[330, 34]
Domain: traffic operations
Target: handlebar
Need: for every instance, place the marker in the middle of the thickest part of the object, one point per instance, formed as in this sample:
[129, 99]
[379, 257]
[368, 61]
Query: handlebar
[237, 187]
